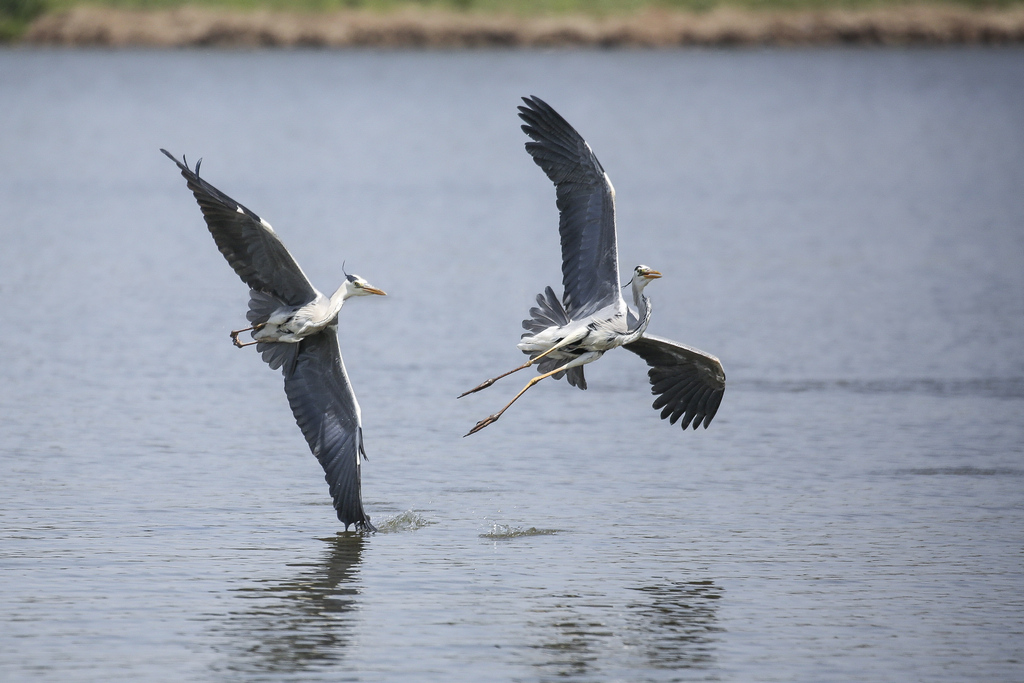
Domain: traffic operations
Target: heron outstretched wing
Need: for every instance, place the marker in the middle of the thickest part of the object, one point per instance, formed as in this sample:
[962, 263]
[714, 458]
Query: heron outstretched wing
[689, 383]
[586, 205]
[248, 242]
[327, 412]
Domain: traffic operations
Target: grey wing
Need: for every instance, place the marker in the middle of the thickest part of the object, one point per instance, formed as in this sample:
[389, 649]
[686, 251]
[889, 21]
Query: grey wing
[689, 383]
[586, 205]
[326, 410]
[248, 242]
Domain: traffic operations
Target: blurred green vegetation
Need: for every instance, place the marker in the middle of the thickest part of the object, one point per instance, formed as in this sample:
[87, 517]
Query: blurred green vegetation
[15, 16]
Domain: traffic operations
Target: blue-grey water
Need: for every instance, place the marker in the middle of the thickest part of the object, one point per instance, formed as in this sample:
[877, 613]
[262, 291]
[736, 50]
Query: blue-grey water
[843, 228]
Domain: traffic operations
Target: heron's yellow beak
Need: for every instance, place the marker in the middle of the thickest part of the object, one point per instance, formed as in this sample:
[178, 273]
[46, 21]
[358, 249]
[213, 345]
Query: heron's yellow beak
[374, 290]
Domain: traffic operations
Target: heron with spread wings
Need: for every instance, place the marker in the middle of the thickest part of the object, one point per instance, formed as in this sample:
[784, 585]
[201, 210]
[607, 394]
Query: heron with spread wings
[295, 328]
[592, 317]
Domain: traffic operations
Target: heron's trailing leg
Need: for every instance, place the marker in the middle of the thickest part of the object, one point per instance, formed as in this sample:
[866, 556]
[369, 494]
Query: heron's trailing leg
[235, 333]
[489, 382]
[525, 365]
[494, 418]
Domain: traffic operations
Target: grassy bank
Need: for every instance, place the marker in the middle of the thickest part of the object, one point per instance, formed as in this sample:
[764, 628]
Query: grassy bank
[467, 23]
[523, 8]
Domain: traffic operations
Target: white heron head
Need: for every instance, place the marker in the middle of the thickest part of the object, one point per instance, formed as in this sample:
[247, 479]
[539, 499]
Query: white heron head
[642, 275]
[360, 287]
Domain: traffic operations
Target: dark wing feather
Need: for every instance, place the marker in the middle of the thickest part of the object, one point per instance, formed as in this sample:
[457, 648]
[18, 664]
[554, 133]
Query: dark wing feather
[689, 383]
[248, 243]
[327, 412]
[586, 205]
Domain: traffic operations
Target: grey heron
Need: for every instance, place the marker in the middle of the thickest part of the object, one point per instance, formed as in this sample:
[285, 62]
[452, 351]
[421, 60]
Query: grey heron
[295, 328]
[592, 317]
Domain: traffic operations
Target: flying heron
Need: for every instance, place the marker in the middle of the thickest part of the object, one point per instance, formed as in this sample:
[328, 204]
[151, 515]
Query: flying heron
[295, 328]
[592, 317]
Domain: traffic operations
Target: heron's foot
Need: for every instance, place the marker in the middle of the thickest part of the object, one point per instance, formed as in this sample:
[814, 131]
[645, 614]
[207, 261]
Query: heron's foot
[483, 385]
[241, 345]
[235, 333]
[482, 423]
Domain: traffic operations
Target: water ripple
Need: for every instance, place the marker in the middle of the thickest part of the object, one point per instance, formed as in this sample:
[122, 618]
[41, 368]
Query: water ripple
[993, 387]
[965, 471]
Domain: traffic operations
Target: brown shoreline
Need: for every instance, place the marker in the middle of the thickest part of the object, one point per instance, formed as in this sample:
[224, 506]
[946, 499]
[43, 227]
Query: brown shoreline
[193, 26]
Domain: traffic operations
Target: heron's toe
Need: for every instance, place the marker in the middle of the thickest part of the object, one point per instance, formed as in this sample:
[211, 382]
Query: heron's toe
[481, 424]
[484, 385]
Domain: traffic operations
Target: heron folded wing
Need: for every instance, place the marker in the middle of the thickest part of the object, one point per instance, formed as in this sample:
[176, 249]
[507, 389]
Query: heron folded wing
[249, 244]
[688, 383]
[327, 412]
[586, 205]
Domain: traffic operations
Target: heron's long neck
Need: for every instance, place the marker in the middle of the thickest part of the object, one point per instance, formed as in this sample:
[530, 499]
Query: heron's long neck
[643, 308]
[338, 298]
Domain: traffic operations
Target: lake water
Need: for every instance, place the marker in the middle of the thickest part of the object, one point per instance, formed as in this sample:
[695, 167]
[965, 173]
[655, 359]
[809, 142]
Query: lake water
[843, 228]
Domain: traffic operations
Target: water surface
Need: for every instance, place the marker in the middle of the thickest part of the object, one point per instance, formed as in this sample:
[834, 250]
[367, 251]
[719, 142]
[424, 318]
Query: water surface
[844, 229]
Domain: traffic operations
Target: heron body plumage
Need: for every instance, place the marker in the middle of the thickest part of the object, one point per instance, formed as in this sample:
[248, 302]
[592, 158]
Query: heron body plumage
[592, 318]
[578, 342]
[290, 324]
[295, 328]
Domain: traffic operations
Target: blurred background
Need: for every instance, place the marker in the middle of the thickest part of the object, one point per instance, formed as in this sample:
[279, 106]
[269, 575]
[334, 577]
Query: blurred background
[538, 23]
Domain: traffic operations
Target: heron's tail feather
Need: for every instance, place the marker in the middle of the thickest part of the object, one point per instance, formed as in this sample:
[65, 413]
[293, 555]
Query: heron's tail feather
[576, 378]
[279, 355]
[261, 306]
[573, 375]
[548, 312]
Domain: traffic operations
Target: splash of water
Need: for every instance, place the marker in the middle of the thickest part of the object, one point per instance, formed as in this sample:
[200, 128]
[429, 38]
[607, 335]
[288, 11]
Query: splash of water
[505, 531]
[409, 520]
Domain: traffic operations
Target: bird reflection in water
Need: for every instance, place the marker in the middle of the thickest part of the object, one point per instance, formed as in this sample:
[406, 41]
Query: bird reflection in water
[677, 623]
[577, 635]
[670, 625]
[302, 622]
